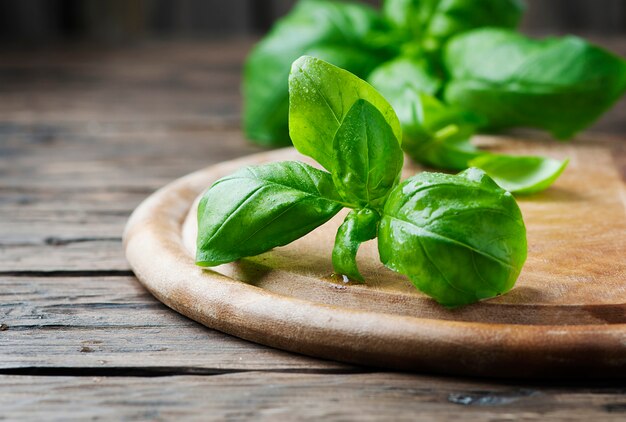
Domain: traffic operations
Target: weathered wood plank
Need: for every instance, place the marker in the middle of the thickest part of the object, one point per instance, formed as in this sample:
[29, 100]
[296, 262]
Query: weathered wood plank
[116, 161]
[28, 198]
[165, 84]
[90, 194]
[272, 396]
[64, 254]
[31, 227]
[113, 322]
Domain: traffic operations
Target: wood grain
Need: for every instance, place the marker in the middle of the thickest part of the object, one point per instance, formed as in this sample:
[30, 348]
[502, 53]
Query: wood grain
[567, 312]
[112, 322]
[303, 397]
[58, 254]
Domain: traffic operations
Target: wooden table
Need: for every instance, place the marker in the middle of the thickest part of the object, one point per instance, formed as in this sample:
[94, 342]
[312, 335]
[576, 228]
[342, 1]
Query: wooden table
[85, 135]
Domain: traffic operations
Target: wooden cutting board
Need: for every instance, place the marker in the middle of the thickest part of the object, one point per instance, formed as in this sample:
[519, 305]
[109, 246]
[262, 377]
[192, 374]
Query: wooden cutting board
[566, 315]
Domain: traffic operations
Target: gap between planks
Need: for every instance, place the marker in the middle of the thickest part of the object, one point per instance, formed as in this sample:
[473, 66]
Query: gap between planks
[171, 371]
[591, 386]
[68, 273]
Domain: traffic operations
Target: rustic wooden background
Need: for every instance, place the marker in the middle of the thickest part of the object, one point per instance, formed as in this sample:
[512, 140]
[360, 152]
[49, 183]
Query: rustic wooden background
[121, 20]
[85, 135]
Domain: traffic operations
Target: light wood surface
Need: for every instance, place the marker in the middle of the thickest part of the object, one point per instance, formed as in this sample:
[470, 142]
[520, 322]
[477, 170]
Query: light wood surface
[86, 134]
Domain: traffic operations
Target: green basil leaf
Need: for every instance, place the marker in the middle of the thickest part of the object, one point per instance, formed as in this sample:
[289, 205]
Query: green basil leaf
[520, 174]
[259, 208]
[435, 134]
[367, 158]
[320, 95]
[335, 31]
[435, 21]
[561, 85]
[459, 238]
[359, 226]
[395, 77]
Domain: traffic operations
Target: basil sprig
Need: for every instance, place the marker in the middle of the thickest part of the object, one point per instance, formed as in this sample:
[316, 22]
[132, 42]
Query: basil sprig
[459, 238]
[450, 68]
[432, 22]
[259, 208]
[439, 135]
[343, 33]
[561, 85]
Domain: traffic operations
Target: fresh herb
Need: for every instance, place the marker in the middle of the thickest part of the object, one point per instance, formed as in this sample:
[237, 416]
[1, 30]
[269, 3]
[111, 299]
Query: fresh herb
[458, 238]
[320, 96]
[360, 225]
[367, 157]
[448, 67]
[259, 208]
[430, 23]
[520, 174]
[561, 85]
[439, 135]
[394, 78]
[343, 33]
[435, 134]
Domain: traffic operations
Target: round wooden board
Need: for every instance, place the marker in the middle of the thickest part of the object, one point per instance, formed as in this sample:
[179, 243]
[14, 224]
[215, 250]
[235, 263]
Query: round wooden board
[565, 317]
